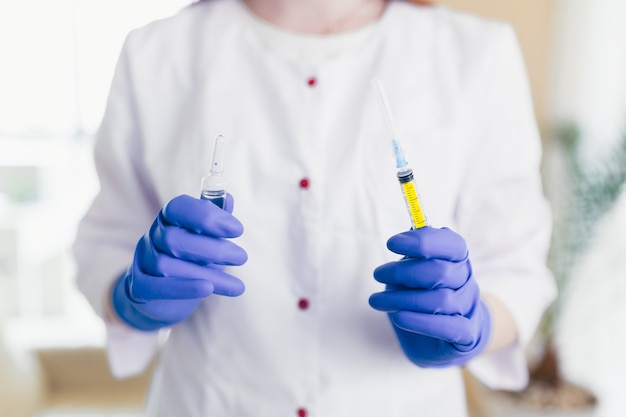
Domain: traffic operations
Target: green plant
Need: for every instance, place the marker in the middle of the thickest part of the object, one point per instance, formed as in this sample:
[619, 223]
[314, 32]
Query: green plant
[581, 193]
[586, 191]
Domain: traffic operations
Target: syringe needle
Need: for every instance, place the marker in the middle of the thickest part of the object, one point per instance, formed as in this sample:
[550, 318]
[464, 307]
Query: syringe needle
[384, 104]
[405, 173]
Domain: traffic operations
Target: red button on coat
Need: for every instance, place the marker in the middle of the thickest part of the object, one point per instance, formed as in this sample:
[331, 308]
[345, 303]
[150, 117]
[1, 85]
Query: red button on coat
[303, 303]
[302, 412]
[304, 183]
[312, 81]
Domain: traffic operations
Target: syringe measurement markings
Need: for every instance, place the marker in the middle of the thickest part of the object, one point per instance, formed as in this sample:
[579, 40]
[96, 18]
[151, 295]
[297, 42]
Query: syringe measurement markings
[412, 200]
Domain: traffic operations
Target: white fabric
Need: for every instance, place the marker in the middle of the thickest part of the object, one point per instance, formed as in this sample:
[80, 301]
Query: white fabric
[457, 87]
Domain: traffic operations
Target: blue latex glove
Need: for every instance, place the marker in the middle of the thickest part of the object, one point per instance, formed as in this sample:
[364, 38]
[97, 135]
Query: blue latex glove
[432, 299]
[179, 262]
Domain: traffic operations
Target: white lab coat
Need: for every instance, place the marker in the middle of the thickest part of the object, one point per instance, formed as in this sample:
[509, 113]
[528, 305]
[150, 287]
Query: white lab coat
[461, 99]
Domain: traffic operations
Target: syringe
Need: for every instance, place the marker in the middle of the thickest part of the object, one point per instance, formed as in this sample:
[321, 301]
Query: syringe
[213, 186]
[405, 173]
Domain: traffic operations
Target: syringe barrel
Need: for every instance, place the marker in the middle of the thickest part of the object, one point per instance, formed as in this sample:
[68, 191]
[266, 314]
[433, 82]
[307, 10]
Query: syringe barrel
[412, 199]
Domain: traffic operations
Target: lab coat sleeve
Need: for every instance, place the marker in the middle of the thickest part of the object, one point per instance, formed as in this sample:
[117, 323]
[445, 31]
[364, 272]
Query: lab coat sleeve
[503, 213]
[119, 215]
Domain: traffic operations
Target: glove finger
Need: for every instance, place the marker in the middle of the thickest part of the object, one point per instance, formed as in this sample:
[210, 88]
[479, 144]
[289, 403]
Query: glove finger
[182, 280]
[441, 301]
[226, 284]
[229, 204]
[144, 287]
[190, 246]
[201, 216]
[454, 329]
[424, 273]
[428, 242]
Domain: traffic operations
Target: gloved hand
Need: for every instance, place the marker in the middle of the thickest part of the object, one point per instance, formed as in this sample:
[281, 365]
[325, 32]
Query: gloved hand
[432, 299]
[179, 262]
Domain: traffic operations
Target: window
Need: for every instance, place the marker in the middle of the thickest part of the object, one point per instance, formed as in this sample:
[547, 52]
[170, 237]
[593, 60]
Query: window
[58, 59]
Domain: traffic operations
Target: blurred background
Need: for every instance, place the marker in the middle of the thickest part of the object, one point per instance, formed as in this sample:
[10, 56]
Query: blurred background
[56, 63]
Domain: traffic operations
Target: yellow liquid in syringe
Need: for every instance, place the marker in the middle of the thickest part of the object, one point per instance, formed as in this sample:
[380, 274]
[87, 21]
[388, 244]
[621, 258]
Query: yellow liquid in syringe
[412, 200]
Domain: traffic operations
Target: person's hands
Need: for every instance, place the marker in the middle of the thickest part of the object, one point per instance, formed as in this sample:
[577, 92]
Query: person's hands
[432, 299]
[178, 263]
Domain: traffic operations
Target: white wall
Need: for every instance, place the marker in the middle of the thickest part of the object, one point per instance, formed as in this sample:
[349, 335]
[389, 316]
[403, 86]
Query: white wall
[588, 82]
